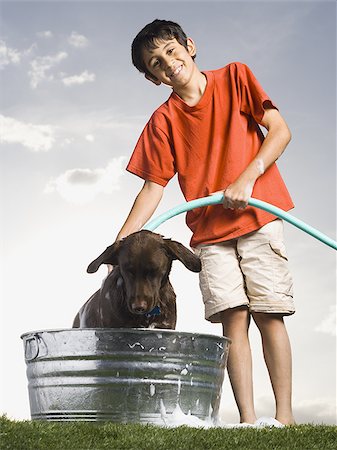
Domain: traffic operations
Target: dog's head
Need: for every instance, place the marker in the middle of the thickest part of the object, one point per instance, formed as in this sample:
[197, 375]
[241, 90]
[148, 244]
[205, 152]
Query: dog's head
[144, 260]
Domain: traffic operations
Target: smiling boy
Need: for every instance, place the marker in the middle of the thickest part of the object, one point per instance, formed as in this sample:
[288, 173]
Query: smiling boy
[208, 133]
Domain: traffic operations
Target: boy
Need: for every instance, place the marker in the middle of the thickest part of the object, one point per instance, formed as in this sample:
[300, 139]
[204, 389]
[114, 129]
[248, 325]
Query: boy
[207, 132]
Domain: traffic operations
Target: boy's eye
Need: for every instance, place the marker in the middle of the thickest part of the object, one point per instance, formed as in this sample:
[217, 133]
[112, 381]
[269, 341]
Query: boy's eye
[155, 63]
[170, 51]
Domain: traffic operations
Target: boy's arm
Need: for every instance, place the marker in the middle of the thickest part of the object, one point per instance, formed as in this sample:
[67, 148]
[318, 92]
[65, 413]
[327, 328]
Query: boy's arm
[144, 206]
[237, 194]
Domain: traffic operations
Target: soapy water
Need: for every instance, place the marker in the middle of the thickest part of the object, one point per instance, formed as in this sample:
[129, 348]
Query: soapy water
[178, 418]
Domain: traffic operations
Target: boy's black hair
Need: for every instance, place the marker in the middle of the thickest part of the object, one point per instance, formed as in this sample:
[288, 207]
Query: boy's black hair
[147, 37]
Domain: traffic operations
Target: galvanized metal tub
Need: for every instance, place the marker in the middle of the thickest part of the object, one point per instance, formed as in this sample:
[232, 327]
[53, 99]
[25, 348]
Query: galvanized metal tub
[123, 375]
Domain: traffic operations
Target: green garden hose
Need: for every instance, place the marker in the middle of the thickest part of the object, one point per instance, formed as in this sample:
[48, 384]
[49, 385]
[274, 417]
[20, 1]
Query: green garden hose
[218, 198]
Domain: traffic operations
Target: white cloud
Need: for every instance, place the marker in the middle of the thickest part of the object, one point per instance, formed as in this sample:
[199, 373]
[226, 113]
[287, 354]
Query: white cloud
[43, 64]
[47, 34]
[14, 56]
[328, 325]
[90, 137]
[78, 40]
[8, 55]
[34, 137]
[317, 410]
[80, 186]
[84, 77]
[67, 141]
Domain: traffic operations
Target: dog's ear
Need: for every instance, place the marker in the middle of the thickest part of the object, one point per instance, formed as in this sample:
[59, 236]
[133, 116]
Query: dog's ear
[179, 251]
[109, 256]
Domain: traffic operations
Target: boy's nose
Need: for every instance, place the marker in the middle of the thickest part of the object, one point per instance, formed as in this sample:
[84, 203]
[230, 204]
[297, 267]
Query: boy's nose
[170, 67]
[169, 62]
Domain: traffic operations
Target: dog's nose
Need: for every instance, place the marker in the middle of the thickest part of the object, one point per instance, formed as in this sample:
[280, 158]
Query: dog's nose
[139, 310]
[139, 307]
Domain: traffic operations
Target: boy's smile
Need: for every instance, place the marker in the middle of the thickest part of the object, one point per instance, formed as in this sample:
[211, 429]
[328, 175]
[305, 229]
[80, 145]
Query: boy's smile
[176, 71]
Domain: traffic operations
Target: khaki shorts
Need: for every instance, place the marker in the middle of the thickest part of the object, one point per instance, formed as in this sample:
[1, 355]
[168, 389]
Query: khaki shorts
[251, 270]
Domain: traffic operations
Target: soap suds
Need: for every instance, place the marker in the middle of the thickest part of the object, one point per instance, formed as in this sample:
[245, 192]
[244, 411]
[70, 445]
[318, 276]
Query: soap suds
[260, 166]
[178, 418]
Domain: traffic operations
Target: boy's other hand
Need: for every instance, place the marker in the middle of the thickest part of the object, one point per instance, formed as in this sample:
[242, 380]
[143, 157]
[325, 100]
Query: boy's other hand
[237, 194]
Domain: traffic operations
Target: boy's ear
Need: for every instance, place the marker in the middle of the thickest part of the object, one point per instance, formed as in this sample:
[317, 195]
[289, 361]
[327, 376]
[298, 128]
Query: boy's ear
[192, 49]
[153, 79]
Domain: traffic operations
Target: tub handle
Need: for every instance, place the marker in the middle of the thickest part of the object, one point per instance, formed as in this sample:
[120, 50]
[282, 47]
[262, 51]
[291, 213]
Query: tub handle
[35, 338]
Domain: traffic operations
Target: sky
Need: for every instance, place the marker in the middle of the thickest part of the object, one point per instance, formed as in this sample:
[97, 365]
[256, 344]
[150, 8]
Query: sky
[72, 108]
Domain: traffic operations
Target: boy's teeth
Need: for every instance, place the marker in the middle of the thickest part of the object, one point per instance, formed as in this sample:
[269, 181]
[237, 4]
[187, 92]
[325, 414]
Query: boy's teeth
[176, 71]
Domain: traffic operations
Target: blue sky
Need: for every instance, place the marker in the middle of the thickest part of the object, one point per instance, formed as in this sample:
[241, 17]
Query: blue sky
[72, 108]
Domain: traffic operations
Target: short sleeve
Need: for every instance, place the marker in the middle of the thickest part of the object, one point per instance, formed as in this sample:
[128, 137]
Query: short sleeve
[153, 158]
[253, 99]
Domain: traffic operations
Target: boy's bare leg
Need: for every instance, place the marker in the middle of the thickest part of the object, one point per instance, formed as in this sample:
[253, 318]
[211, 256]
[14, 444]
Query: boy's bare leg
[277, 355]
[235, 323]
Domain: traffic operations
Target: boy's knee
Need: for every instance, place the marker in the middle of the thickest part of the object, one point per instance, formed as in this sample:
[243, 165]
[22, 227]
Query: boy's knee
[234, 319]
[267, 319]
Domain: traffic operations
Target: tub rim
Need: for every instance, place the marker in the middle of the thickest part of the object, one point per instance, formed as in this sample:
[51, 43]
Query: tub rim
[121, 330]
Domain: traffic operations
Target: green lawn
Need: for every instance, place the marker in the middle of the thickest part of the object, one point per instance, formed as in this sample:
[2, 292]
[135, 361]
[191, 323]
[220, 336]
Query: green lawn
[26, 435]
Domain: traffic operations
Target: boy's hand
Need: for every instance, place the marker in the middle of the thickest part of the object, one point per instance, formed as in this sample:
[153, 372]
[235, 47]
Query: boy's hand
[237, 194]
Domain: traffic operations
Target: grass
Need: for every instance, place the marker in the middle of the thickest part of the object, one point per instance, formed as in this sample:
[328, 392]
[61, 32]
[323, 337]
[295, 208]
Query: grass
[40, 435]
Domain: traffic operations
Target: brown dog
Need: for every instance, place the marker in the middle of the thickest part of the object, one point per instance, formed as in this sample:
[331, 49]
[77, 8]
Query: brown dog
[137, 293]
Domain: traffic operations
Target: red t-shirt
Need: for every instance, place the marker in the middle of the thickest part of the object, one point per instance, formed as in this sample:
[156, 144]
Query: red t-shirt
[209, 145]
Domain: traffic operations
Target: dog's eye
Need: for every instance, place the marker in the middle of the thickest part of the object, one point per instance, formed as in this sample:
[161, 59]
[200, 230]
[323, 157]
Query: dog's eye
[129, 272]
[153, 273]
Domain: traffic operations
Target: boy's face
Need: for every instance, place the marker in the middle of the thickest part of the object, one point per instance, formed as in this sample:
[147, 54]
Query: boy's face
[170, 63]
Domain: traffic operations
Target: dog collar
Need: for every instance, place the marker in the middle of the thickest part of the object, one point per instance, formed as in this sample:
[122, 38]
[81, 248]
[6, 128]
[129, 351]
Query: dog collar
[154, 312]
